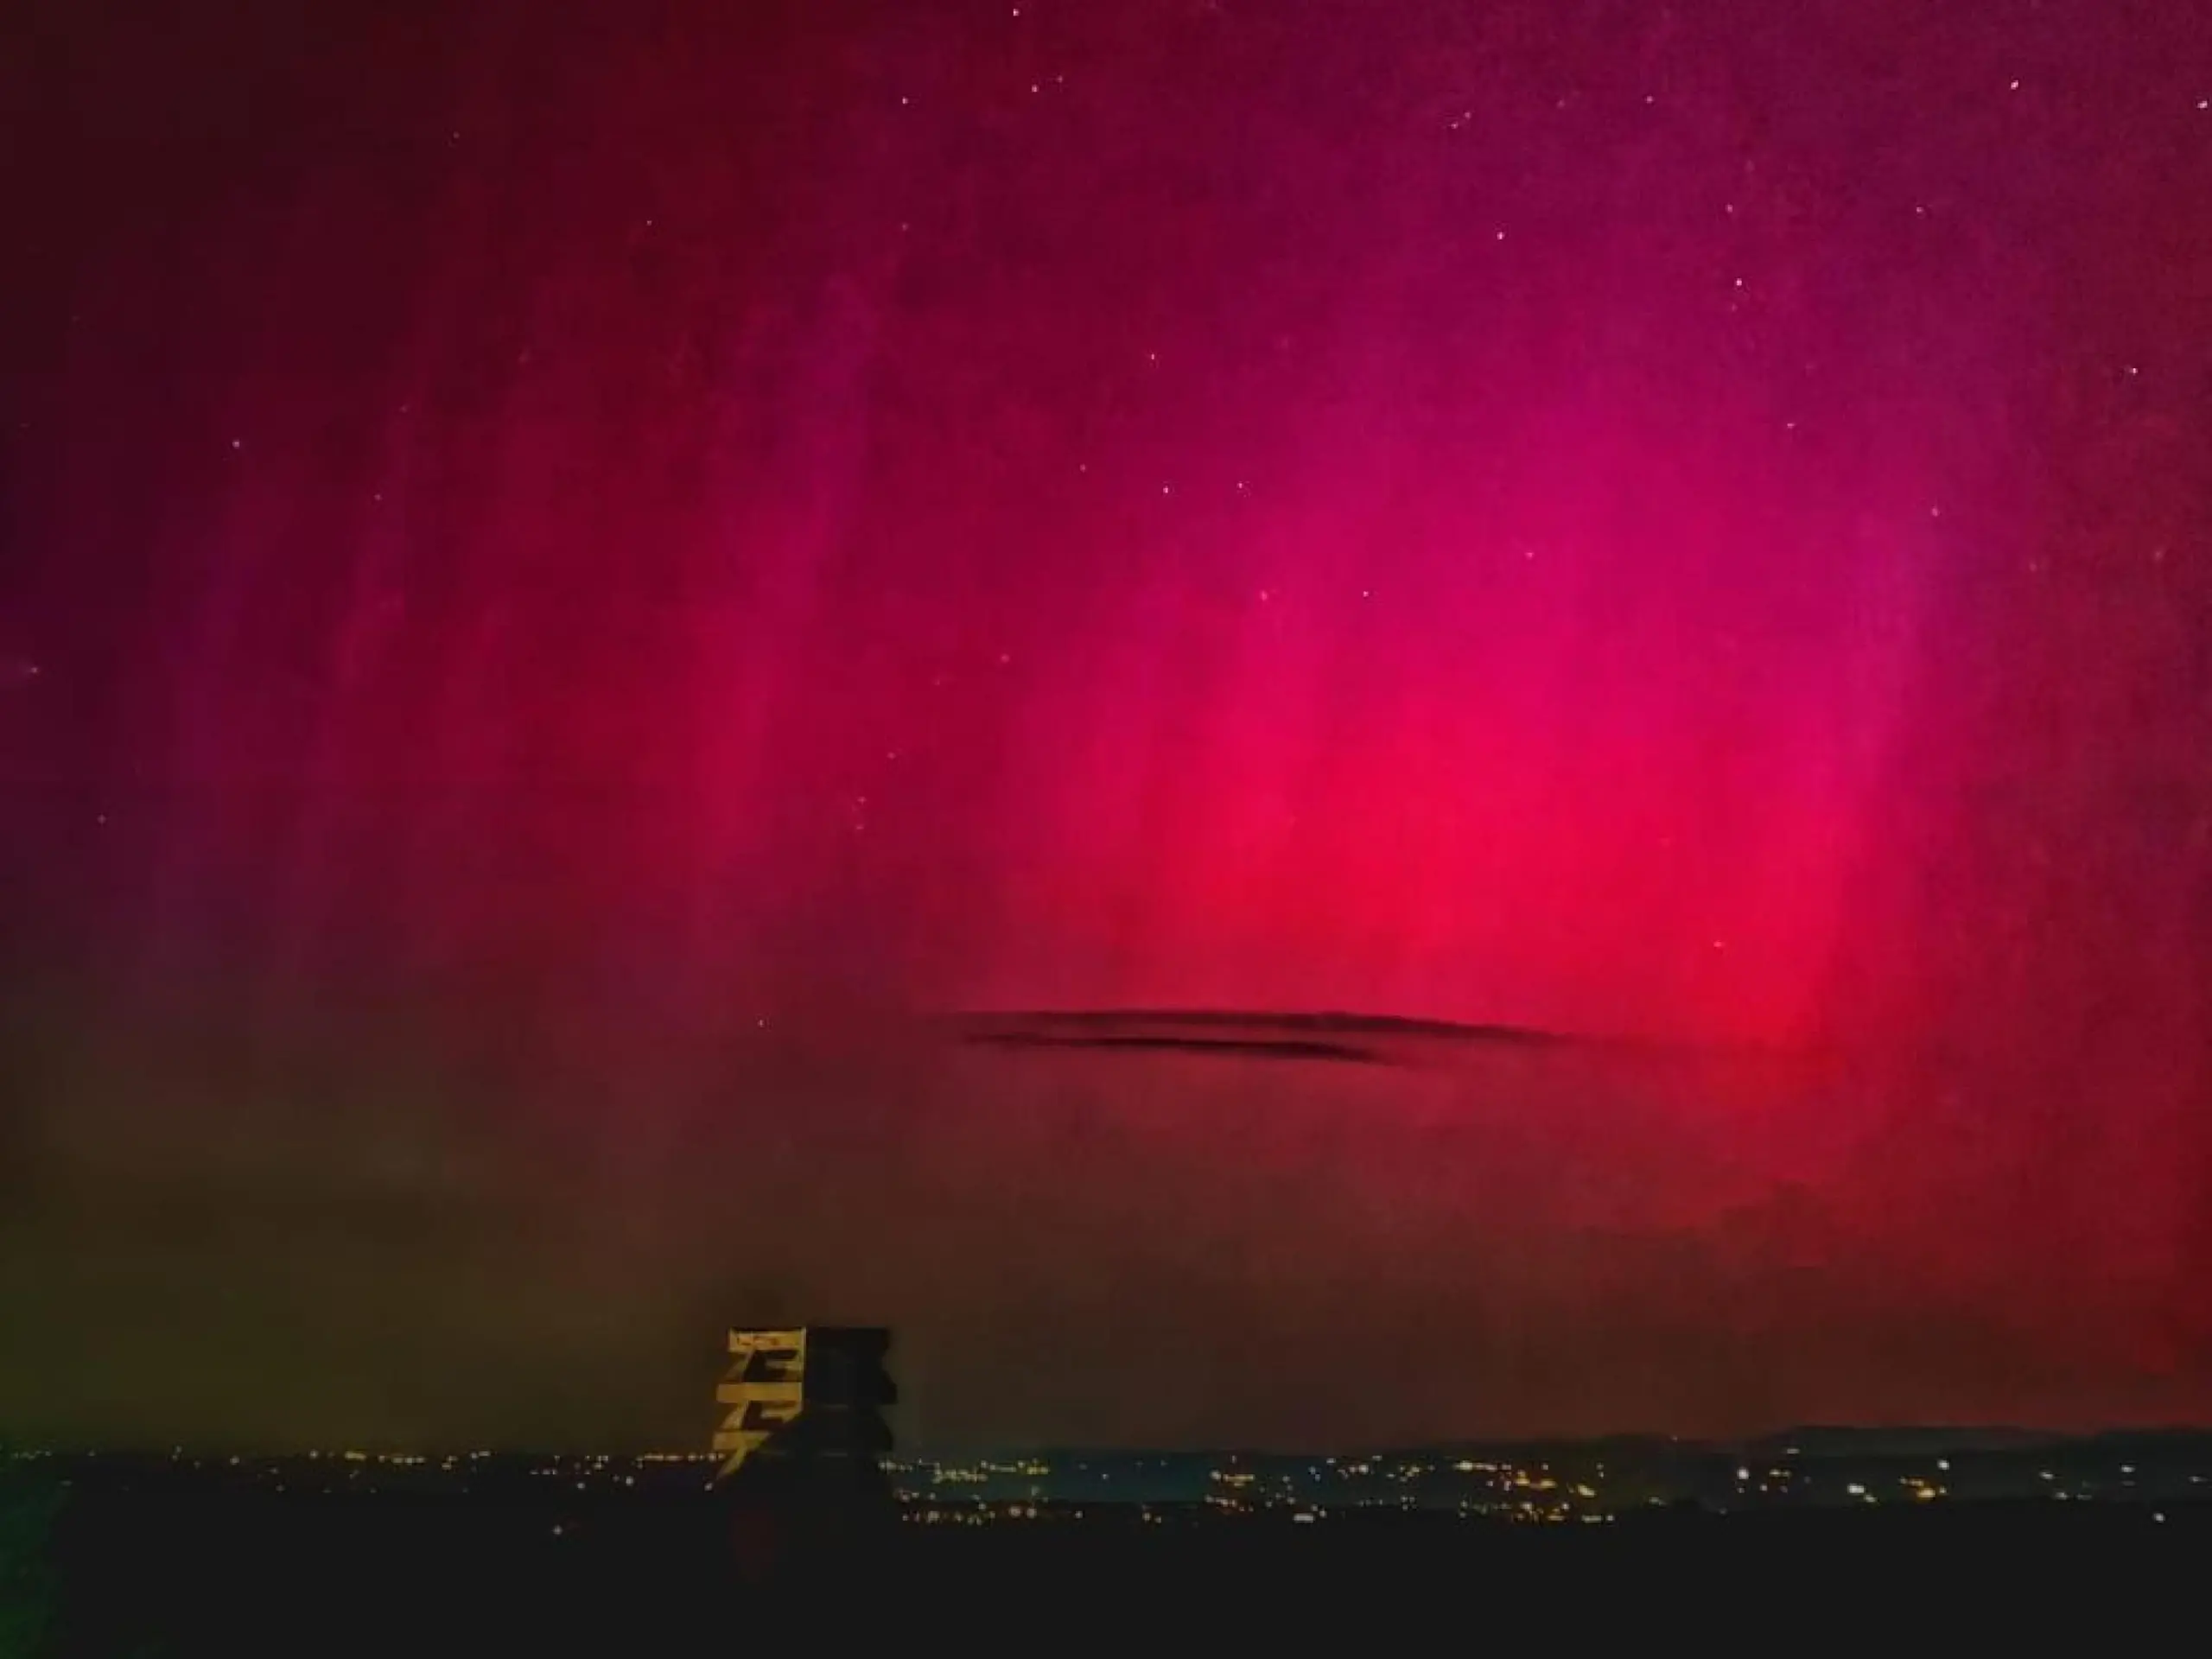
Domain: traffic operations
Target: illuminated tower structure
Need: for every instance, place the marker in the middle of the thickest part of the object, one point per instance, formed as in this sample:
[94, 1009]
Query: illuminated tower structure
[803, 1435]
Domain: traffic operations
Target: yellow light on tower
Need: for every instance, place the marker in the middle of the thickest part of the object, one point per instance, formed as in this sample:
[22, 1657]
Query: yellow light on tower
[765, 1389]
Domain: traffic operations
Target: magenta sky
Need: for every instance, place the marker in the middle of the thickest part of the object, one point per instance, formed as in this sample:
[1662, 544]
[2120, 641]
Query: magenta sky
[570, 572]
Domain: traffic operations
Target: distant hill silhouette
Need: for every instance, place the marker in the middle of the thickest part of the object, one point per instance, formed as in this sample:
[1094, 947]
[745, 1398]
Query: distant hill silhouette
[1811, 1440]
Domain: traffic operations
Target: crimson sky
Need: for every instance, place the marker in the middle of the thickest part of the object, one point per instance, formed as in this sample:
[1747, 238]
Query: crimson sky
[573, 571]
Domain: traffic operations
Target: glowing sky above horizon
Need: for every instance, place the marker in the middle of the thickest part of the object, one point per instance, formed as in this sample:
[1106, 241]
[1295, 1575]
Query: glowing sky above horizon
[570, 573]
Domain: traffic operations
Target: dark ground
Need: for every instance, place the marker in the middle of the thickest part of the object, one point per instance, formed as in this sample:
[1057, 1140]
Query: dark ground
[151, 1572]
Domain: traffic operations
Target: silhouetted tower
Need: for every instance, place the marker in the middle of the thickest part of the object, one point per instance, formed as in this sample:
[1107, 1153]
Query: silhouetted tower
[803, 1438]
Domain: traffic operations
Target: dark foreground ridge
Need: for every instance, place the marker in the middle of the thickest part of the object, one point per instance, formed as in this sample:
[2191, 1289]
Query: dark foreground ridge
[149, 1566]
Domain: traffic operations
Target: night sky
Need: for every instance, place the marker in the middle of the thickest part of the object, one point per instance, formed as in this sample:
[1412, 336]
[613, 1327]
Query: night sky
[573, 578]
